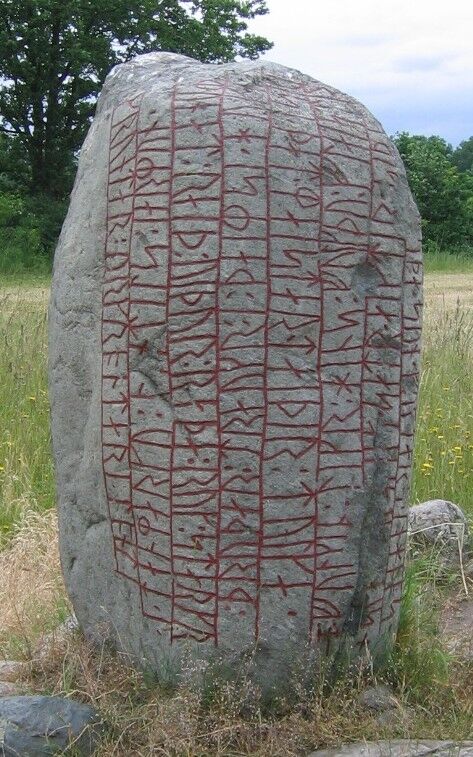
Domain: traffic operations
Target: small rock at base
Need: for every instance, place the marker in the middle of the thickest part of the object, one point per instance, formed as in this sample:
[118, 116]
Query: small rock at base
[438, 522]
[378, 698]
[12, 670]
[8, 689]
[37, 726]
[399, 748]
[55, 640]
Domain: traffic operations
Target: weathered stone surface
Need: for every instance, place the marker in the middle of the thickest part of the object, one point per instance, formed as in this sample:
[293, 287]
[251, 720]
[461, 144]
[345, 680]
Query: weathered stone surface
[235, 324]
[36, 726]
[399, 748]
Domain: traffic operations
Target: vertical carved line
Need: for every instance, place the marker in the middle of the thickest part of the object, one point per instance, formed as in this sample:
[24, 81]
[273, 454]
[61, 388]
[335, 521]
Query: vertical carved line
[264, 429]
[102, 336]
[221, 223]
[318, 368]
[168, 355]
[398, 460]
[128, 318]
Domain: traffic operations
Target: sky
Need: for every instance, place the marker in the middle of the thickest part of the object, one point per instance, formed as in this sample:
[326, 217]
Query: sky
[409, 61]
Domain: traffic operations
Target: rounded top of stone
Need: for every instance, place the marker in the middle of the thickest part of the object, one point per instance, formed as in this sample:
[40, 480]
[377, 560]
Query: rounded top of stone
[152, 59]
[155, 68]
[169, 59]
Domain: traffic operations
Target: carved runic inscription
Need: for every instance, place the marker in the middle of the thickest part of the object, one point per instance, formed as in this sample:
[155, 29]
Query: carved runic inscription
[260, 337]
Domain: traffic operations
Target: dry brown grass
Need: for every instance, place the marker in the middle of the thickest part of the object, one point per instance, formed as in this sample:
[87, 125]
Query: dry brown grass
[445, 291]
[32, 596]
[14, 296]
[145, 720]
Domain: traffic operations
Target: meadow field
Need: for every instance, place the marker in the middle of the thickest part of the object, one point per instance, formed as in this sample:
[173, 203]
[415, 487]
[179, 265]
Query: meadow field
[443, 465]
[435, 689]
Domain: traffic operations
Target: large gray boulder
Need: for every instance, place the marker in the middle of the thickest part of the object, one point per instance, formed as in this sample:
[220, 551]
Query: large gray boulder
[37, 726]
[235, 325]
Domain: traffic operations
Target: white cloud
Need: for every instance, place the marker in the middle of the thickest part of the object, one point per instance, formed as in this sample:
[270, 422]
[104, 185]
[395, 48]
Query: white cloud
[409, 61]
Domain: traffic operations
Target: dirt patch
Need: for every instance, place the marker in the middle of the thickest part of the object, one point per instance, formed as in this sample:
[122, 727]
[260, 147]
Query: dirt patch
[457, 627]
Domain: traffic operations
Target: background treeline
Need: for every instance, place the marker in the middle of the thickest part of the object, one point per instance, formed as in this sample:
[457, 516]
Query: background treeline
[54, 56]
[441, 180]
[440, 177]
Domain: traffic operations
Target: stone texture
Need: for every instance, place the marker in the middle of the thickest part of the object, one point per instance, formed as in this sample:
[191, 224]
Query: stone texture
[37, 726]
[234, 337]
[440, 523]
[383, 706]
[399, 748]
[378, 698]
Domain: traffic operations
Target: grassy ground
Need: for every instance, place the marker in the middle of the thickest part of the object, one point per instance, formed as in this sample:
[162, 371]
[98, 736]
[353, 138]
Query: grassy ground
[26, 478]
[444, 443]
[434, 691]
[443, 460]
[448, 262]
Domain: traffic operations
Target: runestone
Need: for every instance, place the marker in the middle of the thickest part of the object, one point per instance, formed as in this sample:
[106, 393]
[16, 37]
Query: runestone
[234, 354]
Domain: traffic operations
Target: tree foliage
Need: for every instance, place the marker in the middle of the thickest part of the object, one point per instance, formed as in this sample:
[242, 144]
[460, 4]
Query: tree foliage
[444, 194]
[463, 155]
[55, 54]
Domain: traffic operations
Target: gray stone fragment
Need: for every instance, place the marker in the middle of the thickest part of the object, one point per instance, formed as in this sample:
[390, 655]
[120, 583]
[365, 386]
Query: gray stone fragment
[234, 341]
[400, 748]
[380, 701]
[37, 726]
[12, 670]
[378, 698]
[8, 689]
[441, 523]
[55, 641]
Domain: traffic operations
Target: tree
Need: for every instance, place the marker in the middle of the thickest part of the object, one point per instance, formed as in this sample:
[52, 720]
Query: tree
[55, 54]
[463, 155]
[443, 194]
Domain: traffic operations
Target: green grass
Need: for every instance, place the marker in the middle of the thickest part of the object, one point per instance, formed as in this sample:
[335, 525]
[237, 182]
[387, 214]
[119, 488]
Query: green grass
[460, 261]
[443, 460]
[24, 279]
[444, 440]
[26, 474]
